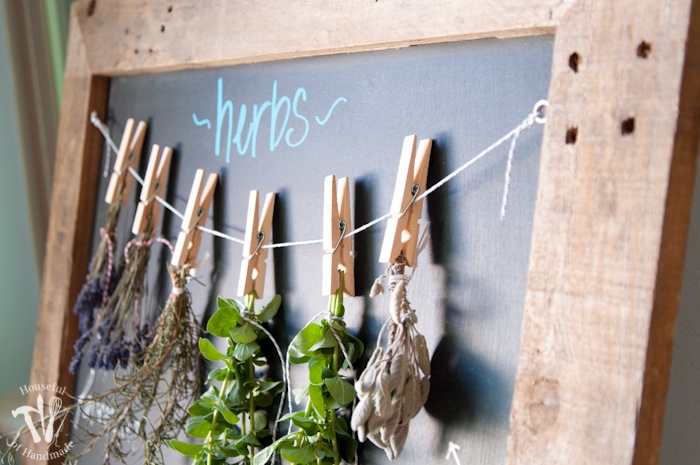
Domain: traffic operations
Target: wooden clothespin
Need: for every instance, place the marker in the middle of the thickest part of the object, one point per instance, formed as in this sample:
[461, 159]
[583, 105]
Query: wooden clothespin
[401, 235]
[257, 234]
[337, 249]
[198, 204]
[127, 157]
[154, 184]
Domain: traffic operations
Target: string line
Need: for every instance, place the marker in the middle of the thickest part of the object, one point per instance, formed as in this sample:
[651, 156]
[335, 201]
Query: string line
[535, 117]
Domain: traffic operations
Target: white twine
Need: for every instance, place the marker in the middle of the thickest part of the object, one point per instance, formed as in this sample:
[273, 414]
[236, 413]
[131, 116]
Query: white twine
[288, 367]
[535, 117]
[285, 373]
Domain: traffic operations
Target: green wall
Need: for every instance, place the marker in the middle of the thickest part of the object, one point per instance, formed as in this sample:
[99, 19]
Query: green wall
[19, 274]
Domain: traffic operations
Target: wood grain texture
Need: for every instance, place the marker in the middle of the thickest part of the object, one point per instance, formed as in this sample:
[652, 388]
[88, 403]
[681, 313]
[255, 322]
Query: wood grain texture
[609, 233]
[131, 35]
[611, 215]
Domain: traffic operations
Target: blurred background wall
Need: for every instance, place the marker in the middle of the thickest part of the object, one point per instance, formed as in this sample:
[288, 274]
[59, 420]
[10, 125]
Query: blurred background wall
[32, 53]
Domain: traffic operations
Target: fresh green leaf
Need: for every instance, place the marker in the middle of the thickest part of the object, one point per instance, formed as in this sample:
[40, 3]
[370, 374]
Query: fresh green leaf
[223, 321]
[348, 446]
[199, 409]
[211, 395]
[299, 455]
[342, 391]
[264, 399]
[326, 341]
[265, 386]
[250, 439]
[259, 420]
[295, 356]
[316, 399]
[268, 312]
[230, 417]
[198, 427]
[300, 393]
[325, 450]
[217, 374]
[309, 426]
[316, 365]
[244, 334]
[306, 338]
[264, 455]
[230, 305]
[243, 352]
[185, 448]
[209, 351]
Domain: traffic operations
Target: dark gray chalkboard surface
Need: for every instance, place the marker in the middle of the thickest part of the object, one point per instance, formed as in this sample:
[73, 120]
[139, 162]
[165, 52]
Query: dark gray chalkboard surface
[283, 126]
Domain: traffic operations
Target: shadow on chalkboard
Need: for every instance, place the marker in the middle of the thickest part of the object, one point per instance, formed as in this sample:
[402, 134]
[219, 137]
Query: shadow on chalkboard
[467, 387]
[437, 201]
[363, 244]
[219, 246]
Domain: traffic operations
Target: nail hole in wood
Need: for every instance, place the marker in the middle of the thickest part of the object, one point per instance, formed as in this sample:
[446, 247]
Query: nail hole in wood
[170, 8]
[136, 51]
[162, 28]
[574, 61]
[571, 135]
[644, 49]
[627, 126]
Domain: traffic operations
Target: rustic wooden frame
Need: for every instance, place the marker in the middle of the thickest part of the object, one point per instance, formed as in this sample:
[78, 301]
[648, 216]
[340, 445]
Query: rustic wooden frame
[613, 203]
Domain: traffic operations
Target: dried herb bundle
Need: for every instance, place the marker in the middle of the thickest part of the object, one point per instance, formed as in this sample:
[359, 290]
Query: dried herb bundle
[231, 420]
[120, 329]
[391, 389]
[324, 436]
[147, 402]
[98, 287]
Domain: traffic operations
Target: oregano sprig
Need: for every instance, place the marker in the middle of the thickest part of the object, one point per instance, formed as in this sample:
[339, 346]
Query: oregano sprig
[230, 419]
[323, 436]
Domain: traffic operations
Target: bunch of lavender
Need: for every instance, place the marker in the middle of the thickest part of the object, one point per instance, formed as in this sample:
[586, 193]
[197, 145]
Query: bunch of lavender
[99, 284]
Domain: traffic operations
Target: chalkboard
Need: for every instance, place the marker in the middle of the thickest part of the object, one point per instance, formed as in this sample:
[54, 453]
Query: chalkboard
[283, 126]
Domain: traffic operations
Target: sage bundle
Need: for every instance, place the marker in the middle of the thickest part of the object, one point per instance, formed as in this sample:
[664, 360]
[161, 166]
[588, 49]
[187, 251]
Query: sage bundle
[395, 384]
[230, 421]
[323, 436]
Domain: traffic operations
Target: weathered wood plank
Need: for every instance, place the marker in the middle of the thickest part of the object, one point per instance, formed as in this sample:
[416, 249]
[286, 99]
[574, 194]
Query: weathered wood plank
[130, 35]
[608, 236]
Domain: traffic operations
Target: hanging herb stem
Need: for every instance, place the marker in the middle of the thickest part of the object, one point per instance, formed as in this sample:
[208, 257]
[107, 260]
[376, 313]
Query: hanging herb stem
[323, 436]
[230, 420]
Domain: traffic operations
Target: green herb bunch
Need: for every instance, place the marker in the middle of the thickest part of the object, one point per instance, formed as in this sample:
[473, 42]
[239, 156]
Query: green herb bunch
[230, 419]
[324, 436]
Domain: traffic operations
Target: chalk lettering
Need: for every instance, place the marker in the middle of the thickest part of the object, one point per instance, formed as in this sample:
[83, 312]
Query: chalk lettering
[288, 122]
